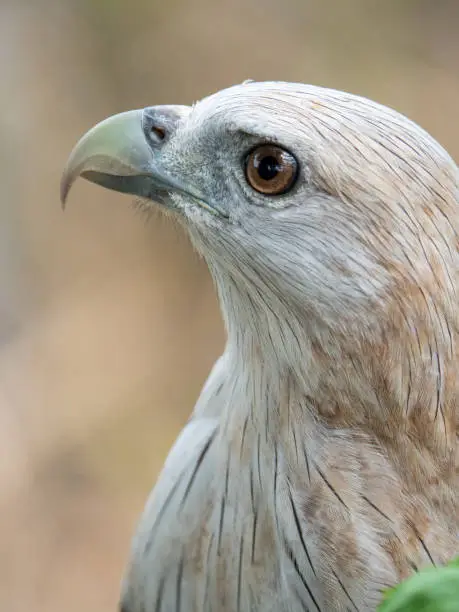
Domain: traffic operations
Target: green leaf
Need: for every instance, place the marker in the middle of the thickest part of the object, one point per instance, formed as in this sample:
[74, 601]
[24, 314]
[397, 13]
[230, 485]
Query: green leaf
[454, 562]
[435, 589]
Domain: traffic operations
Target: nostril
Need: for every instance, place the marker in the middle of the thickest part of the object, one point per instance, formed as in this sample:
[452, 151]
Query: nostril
[158, 133]
[159, 123]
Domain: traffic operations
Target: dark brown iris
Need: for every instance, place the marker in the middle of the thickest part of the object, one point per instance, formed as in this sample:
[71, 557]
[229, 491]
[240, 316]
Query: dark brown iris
[271, 170]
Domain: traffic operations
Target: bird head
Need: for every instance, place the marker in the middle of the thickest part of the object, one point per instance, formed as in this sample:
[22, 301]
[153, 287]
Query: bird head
[329, 222]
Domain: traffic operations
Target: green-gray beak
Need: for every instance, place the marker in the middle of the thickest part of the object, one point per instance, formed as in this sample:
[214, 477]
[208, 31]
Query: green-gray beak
[123, 153]
[114, 153]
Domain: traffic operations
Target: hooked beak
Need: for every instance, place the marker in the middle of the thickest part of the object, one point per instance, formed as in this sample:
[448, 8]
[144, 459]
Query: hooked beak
[123, 153]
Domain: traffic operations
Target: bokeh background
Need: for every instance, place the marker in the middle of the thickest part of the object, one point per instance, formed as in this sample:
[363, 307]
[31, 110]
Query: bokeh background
[108, 322]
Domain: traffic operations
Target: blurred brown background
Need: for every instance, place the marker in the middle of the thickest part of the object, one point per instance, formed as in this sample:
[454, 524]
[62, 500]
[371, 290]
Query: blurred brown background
[108, 323]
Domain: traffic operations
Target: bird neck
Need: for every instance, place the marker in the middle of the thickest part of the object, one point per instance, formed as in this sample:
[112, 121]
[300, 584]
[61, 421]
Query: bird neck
[391, 387]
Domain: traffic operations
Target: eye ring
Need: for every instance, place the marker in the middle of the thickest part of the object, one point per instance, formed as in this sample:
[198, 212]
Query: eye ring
[270, 169]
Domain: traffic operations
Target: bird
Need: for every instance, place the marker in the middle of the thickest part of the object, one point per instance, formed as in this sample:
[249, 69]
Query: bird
[319, 466]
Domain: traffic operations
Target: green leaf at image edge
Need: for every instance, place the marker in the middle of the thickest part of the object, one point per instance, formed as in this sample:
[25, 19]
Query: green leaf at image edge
[430, 590]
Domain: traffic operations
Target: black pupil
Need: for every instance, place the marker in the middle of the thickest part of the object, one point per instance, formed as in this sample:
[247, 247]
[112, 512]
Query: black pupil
[268, 168]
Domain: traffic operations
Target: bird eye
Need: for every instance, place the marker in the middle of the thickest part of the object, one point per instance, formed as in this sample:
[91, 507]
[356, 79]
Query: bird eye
[271, 170]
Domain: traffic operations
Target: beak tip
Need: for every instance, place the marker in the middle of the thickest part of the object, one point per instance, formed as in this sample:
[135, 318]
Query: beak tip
[71, 172]
[64, 190]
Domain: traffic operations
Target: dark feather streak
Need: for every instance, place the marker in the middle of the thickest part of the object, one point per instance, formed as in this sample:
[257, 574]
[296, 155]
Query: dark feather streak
[178, 597]
[322, 475]
[159, 594]
[254, 535]
[426, 550]
[239, 573]
[375, 507]
[220, 526]
[344, 589]
[300, 532]
[199, 461]
[292, 558]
